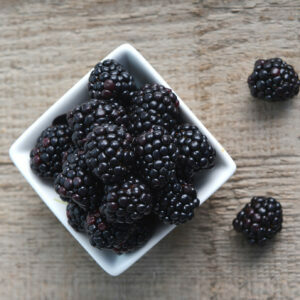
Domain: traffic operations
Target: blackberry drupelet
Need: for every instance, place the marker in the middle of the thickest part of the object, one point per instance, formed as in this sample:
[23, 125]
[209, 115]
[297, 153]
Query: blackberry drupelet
[67, 152]
[139, 234]
[84, 117]
[127, 201]
[156, 155]
[154, 105]
[176, 203]
[109, 152]
[195, 152]
[103, 234]
[46, 156]
[273, 80]
[109, 79]
[76, 216]
[76, 183]
[259, 220]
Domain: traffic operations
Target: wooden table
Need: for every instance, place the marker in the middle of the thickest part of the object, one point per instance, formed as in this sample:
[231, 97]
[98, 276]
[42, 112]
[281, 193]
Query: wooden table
[205, 50]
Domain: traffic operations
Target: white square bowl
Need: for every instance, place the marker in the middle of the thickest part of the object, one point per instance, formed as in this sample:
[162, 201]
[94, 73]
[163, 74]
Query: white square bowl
[207, 182]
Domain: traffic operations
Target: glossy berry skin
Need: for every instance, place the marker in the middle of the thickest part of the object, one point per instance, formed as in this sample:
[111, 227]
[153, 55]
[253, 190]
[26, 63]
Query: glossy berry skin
[76, 183]
[127, 201]
[156, 155]
[195, 152]
[109, 153]
[85, 117]
[176, 202]
[46, 156]
[76, 216]
[154, 105]
[259, 220]
[103, 234]
[273, 80]
[109, 79]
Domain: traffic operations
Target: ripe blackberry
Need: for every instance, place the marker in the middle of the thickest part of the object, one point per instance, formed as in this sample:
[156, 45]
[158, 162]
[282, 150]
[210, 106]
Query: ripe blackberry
[103, 234]
[195, 152]
[156, 157]
[76, 216]
[109, 152]
[127, 201]
[154, 105]
[84, 117]
[176, 203]
[259, 220]
[76, 183]
[139, 234]
[273, 80]
[109, 79]
[46, 156]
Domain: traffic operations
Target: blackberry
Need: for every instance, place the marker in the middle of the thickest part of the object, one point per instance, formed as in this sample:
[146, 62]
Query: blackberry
[76, 216]
[176, 203]
[259, 220]
[109, 152]
[46, 156]
[109, 79]
[77, 184]
[83, 118]
[273, 80]
[139, 234]
[195, 152]
[127, 202]
[103, 234]
[156, 157]
[154, 105]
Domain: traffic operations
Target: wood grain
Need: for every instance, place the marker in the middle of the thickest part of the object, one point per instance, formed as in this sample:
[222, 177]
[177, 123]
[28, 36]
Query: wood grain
[205, 50]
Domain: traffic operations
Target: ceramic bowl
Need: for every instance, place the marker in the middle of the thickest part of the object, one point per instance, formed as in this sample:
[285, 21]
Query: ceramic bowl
[207, 182]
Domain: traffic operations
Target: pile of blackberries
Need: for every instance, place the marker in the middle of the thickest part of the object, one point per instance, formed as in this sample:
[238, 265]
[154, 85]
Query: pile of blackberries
[123, 159]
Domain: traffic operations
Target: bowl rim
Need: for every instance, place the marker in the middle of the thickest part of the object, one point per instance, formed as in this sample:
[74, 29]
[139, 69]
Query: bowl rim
[20, 144]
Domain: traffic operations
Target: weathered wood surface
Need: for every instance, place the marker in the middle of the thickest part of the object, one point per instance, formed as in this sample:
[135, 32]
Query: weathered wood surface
[205, 50]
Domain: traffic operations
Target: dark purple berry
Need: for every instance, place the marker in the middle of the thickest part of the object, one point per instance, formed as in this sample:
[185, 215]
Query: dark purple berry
[85, 117]
[76, 183]
[76, 216]
[156, 154]
[273, 80]
[127, 201]
[175, 203]
[195, 151]
[259, 220]
[154, 104]
[109, 80]
[47, 154]
[109, 153]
